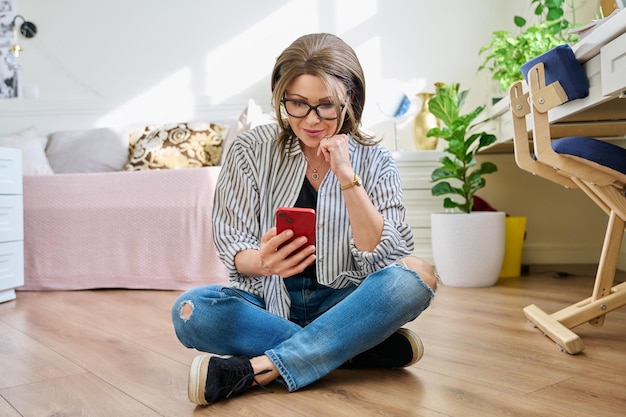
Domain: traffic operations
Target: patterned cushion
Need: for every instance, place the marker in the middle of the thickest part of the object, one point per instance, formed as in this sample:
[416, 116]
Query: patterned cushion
[176, 145]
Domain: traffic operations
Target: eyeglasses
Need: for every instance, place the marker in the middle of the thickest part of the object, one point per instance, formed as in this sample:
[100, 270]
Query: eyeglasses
[301, 109]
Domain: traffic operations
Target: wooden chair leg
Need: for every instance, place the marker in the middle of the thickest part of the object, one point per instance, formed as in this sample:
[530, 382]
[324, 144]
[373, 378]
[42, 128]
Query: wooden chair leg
[553, 325]
[608, 262]
[565, 338]
[593, 309]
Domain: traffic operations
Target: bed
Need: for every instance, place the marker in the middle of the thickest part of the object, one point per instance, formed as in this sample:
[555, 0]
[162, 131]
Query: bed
[141, 230]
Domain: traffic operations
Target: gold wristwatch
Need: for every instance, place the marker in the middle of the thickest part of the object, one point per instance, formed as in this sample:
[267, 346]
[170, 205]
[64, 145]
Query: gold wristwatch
[356, 181]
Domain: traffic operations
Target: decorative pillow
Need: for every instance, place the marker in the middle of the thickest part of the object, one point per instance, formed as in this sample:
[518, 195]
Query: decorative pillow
[251, 117]
[34, 161]
[174, 146]
[88, 150]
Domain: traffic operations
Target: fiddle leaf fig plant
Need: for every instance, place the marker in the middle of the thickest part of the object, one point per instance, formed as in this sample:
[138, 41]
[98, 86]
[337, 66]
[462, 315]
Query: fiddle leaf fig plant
[462, 146]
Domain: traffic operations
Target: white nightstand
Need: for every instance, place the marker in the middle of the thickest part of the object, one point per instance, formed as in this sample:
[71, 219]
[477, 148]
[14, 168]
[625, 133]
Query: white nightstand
[415, 168]
[11, 223]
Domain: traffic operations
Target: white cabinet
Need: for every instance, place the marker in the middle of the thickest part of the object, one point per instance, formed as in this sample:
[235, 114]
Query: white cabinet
[613, 68]
[11, 223]
[415, 168]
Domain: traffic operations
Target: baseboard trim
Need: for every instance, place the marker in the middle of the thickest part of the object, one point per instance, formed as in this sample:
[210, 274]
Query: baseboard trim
[560, 253]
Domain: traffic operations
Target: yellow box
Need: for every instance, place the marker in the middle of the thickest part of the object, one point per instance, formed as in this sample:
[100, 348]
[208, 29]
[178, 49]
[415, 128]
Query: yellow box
[515, 233]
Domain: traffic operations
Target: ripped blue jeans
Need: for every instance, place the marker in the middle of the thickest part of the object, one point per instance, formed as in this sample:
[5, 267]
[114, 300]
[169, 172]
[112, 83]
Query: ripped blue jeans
[327, 326]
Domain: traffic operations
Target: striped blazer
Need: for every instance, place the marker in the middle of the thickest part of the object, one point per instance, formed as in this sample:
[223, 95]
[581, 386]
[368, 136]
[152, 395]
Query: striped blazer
[257, 178]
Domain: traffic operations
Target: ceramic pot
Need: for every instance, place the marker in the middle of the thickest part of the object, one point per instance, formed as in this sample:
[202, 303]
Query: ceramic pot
[468, 248]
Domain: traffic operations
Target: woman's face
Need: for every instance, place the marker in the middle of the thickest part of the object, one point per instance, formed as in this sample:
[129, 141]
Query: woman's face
[310, 90]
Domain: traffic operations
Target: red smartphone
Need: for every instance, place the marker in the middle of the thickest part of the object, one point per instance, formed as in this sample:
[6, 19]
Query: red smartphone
[300, 220]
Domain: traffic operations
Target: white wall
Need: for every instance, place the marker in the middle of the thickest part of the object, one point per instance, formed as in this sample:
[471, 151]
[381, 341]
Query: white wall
[138, 58]
[159, 53]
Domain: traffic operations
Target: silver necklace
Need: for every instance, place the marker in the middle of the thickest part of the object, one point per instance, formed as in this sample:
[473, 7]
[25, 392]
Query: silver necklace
[315, 176]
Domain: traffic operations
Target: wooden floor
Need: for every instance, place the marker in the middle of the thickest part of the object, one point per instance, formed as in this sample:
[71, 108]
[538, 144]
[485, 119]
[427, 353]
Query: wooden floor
[113, 353]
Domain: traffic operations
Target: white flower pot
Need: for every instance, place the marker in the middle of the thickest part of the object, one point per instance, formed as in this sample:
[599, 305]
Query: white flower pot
[468, 249]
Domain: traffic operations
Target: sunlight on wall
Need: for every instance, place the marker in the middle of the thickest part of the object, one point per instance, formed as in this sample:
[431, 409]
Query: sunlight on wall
[240, 68]
[349, 17]
[227, 71]
[400, 136]
[170, 100]
[249, 57]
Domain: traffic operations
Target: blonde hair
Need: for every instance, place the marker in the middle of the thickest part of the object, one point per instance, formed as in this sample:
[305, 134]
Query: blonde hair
[328, 57]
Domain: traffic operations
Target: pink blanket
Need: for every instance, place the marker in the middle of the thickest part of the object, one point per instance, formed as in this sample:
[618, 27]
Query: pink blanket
[147, 230]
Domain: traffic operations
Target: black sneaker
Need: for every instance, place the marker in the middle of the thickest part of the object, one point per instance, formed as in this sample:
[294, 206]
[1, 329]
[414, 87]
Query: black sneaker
[401, 349]
[212, 378]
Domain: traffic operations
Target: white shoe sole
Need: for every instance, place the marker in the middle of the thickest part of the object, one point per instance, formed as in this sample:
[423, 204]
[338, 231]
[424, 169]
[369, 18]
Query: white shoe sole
[416, 345]
[197, 379]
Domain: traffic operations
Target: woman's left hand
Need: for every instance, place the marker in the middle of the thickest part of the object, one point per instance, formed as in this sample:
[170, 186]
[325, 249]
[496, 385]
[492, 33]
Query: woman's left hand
[336, 151]
[367, 223]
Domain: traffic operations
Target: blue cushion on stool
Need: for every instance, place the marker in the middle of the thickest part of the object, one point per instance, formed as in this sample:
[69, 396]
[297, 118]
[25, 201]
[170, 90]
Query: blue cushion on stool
[561, 64]
[603, 153]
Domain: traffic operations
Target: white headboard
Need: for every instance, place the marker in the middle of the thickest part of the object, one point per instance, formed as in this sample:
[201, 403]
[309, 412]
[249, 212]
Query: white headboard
[52, 116]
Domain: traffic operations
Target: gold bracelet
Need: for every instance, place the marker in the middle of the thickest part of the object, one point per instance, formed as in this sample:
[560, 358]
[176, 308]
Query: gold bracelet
[356, 181]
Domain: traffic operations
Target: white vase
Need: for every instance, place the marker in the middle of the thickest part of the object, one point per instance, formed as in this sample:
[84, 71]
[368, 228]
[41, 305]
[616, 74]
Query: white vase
[468, 248]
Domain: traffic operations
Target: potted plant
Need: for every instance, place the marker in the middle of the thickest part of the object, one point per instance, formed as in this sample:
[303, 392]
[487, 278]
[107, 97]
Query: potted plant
[468, 247]
[505, 53]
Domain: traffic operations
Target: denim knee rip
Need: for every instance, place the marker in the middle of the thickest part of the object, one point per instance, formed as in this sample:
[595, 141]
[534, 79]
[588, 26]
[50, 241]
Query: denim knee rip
[400, 263]
[185, 315]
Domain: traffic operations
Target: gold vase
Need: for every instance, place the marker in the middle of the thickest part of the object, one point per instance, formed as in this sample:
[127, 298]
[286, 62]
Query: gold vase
[424, 121]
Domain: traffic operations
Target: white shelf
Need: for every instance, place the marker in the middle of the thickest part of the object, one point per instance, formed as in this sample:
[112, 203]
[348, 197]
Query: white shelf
[415, 168]
[11, 223]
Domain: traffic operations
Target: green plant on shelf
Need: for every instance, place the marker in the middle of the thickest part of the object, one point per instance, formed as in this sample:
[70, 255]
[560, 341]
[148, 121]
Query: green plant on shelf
[505, 53]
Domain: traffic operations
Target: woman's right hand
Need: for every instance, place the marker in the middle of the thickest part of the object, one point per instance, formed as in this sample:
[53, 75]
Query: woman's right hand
[288, 260]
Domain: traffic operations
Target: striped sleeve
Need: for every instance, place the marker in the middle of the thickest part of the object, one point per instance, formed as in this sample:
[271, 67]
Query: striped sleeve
[381, 180]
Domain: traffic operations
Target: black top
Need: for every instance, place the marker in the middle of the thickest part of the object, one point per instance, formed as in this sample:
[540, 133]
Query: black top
[307, 199]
